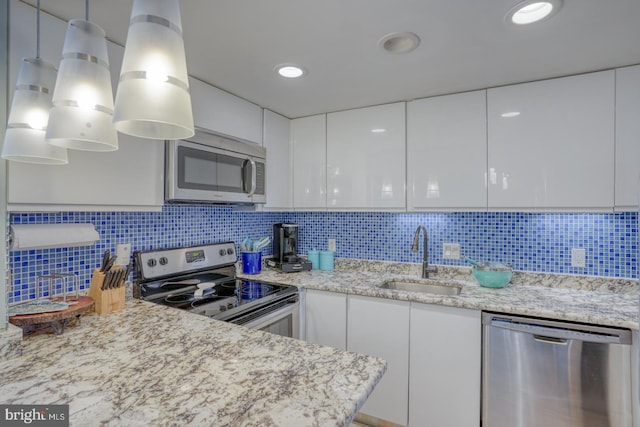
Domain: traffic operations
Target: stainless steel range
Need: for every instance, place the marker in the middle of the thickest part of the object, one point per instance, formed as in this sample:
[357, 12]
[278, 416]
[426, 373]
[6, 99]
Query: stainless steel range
[201, 279]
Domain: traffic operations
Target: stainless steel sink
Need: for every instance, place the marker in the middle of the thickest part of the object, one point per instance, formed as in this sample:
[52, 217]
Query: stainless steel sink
[426, 287]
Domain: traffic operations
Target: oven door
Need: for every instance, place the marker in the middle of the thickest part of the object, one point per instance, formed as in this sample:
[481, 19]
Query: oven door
[197, 172]
[280, 318]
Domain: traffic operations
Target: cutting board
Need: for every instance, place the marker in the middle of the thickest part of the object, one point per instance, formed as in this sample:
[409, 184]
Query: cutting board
[83, 305]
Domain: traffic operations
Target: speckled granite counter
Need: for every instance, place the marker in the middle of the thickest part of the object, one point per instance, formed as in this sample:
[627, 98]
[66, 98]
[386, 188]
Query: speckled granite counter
[611, 302]
[153, 365]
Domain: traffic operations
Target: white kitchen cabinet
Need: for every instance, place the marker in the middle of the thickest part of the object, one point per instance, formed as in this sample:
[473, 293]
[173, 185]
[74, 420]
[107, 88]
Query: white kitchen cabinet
[277, 141]
[380, 327]
[551, 144]
[131, 178]
[309, 143]
[446, 152]
[224, 113]
[627, 138]
[366, 158]
[445, 359]
[326, 318]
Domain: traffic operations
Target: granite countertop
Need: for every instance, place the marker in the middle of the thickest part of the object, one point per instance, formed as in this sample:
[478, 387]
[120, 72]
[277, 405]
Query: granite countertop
[154, 365]
[587, 299]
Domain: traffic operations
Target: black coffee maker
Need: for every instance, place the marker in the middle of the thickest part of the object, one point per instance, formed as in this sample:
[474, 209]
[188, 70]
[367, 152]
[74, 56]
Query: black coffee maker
[285, 249]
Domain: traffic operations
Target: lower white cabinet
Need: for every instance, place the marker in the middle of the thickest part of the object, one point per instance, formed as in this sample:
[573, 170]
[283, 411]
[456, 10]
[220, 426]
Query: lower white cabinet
[433, 354]
[326, 318]
[445, 359]
[380, 327]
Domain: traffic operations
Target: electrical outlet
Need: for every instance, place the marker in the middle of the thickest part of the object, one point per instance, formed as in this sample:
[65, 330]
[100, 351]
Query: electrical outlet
[331, 245]
[123, 254]
[451, 251]
[578, 257]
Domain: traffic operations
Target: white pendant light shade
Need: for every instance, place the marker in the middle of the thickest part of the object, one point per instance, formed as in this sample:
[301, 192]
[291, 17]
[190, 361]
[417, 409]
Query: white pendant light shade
[82, 113]
[24, 139]
[153, 98]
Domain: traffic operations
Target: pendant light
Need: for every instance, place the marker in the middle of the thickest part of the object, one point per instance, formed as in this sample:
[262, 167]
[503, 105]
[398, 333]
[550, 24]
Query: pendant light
[82, 113]
[153, 98]
[24, 138]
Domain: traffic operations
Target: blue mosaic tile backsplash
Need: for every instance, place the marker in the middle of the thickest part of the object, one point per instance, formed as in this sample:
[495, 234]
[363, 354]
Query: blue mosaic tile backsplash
[539, 242]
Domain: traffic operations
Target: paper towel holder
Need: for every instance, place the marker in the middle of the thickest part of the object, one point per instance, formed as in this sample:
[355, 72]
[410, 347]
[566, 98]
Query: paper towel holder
[48, 236]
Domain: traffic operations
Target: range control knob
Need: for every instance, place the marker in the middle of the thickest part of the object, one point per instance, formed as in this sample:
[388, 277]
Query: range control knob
[230, 251]
[164, 260]
[151, 262]
[230, 305]
[222, 252]
[223, 308]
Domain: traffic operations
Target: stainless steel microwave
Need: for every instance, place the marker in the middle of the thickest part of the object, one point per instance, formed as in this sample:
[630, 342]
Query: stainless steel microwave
[207, 168]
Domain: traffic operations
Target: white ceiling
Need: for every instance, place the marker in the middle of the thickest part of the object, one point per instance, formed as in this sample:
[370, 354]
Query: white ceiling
[466, 44]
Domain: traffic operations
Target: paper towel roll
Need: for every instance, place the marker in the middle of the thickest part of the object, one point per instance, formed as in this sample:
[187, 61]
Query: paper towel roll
[46, 236]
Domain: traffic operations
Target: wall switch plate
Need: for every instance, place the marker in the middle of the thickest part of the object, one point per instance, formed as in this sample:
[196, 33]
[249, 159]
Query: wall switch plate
[331, 245]
[123, 254]
[451, 251]
[578, 257]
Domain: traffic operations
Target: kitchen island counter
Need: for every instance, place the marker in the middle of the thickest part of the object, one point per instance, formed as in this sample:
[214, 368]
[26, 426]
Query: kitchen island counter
[585, 299]
[154, 365]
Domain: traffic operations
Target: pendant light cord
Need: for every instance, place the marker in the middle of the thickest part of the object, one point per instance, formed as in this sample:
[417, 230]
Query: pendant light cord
[86, 10]
[38, 29]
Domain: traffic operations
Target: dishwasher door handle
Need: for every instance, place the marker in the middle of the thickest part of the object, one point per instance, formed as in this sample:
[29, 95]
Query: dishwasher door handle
[551, 340]
[555, 330]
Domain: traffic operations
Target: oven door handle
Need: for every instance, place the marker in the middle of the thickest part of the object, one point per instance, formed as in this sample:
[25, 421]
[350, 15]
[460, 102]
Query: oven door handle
[278, 314]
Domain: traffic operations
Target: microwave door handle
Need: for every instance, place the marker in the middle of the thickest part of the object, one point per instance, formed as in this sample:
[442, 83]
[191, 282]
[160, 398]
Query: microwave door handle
[253, 177]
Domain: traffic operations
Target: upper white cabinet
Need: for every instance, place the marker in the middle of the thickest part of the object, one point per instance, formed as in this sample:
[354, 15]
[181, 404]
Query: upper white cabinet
[131, 178]
[445, 358]
[326, 318]
[627, 138]
[551, 144]
[277, 141]
[380, 327]
[366, 158]
[224, 113]
[309, 141]
[446, 152]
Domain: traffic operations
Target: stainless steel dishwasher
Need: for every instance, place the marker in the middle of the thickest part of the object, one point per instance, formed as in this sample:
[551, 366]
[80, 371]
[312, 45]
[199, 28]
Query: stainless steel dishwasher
[543, 373]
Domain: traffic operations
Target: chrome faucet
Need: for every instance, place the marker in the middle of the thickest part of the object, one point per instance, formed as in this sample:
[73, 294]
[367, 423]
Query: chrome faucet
[425, 254]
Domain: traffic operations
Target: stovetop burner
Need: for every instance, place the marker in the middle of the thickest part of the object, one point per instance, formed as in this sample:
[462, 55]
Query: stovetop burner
[175, 277]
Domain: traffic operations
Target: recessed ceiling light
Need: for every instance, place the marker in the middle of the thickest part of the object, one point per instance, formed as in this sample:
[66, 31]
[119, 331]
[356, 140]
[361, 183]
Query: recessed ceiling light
[399, 42]
[290, 71]
[378, 130]
[530, 11]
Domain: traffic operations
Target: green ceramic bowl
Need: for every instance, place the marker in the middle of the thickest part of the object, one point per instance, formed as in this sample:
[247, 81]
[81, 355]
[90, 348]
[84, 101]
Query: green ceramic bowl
[490, 278]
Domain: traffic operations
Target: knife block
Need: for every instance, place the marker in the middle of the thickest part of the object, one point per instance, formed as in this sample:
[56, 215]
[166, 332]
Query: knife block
[106, 300]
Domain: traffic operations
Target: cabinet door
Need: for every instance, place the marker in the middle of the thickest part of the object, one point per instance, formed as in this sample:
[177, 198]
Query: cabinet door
[447, 151]
[445, 360]
[326, 318]
[277, 141]
[380, 327]
[551, 143]
[366, 158]
[627, 138]
[131, 178]
[225, 114]
[309, 140]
